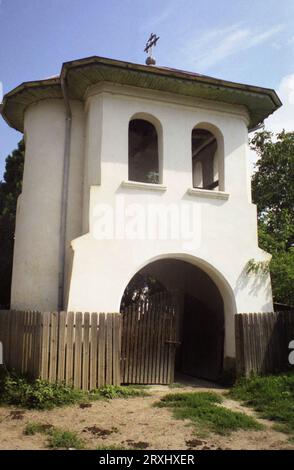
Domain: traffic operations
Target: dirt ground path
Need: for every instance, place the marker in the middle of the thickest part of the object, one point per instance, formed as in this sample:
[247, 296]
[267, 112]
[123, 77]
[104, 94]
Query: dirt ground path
[135, 423]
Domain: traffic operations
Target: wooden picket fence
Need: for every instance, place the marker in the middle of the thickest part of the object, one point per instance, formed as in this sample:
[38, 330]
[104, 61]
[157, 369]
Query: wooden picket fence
[80, 349]
[262, 342]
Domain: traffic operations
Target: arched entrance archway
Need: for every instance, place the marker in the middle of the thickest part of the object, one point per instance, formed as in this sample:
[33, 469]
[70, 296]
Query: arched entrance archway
[200, 317]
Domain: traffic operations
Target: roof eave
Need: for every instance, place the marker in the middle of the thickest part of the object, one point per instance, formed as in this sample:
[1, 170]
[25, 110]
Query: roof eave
[36, 89]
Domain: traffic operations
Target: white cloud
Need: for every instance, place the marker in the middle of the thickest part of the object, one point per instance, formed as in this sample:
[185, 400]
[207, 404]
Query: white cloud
[159, 18]
[284, 117]
[214, 46]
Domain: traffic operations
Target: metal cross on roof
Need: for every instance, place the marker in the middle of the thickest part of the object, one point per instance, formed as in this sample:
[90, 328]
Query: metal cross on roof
[149, 48]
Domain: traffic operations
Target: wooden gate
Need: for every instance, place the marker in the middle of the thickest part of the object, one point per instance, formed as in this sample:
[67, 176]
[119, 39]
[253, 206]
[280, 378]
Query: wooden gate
[149, 340]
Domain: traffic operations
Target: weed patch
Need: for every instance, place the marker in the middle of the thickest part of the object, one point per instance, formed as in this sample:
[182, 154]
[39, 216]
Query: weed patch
[57, 438]
[39, 394]
[111, 447]
[37, 428]
[60, 439]
[204, 410]
[272, 397]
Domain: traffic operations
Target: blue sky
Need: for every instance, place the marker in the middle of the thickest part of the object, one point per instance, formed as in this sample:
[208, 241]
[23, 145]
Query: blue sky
[250, 41]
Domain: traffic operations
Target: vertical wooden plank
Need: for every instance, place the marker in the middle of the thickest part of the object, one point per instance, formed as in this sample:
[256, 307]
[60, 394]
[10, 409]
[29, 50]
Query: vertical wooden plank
[266, 341]
[151, 320]
[34, 344]
[61, 346]
[171, 364]
[119, 346]
[109, 364]
[101, 351]
[123, 346]
[19, 346]
[131, 342]
[160, 337]
[69, 358]
[13, 338]
[45, 346]
[139, 343]
[165, 338]
[258, 342]
[38, 350]
[270, 346]
[116, 349]
[30, 343]
[93, 350]
[143, 341]
[253, 342]
[154, 334]
[78, 351]
[244, 324]
[156, 355]
[136, 359]
[53, 346]
[238, 345]
[26, 342]
[86, 352]
[260, 329]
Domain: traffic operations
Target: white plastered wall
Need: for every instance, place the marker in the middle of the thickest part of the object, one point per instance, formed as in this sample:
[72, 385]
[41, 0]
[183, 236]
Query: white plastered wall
[36, 250]
[225, 236]
[224, 231]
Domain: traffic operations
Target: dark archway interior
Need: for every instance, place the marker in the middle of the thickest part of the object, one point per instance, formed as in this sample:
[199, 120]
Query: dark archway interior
[200, 318]
[143, 152]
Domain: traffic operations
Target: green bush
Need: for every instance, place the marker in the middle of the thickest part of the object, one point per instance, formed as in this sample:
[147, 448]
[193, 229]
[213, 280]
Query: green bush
[39, 394]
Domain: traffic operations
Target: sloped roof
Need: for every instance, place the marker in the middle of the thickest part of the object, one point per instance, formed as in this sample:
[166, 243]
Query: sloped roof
[80, 74]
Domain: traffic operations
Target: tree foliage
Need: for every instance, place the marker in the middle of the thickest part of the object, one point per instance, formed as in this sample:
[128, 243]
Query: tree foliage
[10, 188]
[273, 192]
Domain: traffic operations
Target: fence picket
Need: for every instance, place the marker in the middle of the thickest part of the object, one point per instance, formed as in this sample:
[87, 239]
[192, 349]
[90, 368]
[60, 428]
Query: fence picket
[261, 340]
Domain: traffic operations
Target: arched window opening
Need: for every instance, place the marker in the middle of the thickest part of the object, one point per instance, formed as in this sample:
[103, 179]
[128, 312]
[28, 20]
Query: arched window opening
[143, 152]
[204, 160]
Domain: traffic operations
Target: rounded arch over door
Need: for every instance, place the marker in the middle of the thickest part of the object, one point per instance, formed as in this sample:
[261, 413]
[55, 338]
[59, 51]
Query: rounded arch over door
[201, 325]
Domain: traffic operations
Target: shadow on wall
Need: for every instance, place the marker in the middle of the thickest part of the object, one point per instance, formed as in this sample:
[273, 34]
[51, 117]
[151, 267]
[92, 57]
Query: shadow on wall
[254, 283]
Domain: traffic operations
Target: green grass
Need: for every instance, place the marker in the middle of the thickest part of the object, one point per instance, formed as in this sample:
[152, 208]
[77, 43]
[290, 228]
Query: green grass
[57, 438]
[36, 428]
[117, 391]
[204, 410]
[39, 394]
[176, 385]
[272, 397]
[111, 447]
[61, 439]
